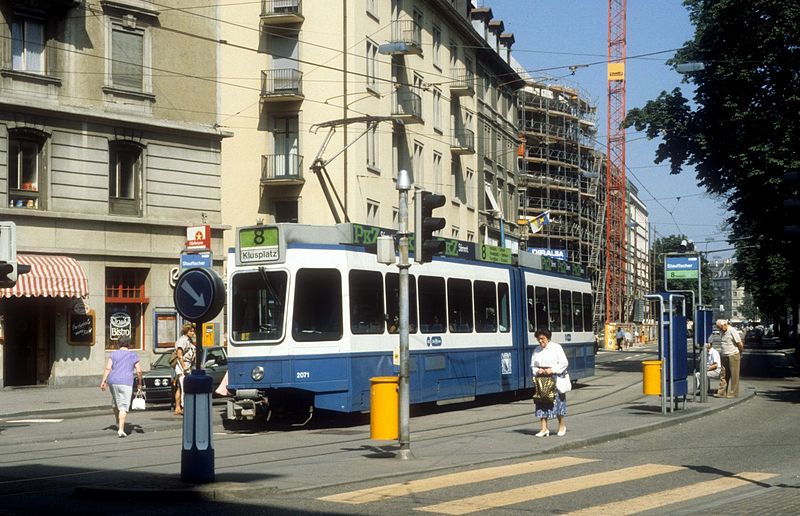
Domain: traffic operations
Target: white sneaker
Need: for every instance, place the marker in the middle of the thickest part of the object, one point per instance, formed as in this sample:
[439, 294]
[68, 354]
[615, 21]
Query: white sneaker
[121, 433]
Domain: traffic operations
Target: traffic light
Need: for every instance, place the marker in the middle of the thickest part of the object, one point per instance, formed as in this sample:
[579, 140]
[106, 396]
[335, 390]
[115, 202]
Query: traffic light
[425, 244]
[9, 269]
[791, 205]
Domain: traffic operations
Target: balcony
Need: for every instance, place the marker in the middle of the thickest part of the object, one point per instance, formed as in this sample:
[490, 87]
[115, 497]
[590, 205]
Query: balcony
[463, 82]
[406, 39]
[281, 85]
[407, 106]
[282, 170]
[281, 12]
[463, 142]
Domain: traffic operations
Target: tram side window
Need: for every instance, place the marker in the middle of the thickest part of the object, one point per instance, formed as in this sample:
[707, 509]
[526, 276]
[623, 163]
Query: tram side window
[577, 311]
[531, 304]
[542, 310]
[459, 299]
[566, 310]
[432, 305]
[485, 307]
[503, 298]
[317, 305]
[258, 305]
[587, 312]
[393, 303]
[554, 302]
[366, 302]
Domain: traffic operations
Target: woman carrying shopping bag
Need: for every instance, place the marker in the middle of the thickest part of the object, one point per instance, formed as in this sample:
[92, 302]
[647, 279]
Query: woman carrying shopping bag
[118, 376]
[549, 363]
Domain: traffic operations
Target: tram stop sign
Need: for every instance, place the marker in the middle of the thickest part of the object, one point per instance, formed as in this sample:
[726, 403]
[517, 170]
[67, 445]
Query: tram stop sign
[199, 295]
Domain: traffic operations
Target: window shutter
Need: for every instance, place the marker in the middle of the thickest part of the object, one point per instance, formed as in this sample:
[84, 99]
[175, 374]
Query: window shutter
[126, 59]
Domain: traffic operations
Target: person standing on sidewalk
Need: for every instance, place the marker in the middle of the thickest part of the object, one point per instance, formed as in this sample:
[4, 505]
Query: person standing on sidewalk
[549, 360]
[732, 349]
[185, 349]
[620, 336]
[118, 376]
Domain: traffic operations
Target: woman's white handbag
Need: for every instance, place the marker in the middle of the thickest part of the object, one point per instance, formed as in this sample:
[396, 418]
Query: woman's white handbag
[563, 383]
[138, 402]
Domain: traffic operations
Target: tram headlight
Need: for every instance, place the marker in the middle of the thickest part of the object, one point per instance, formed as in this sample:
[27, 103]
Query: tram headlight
[157, 382]
[257, 373]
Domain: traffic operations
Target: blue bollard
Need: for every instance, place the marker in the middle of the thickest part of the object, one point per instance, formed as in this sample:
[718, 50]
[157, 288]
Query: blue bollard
[197, 453]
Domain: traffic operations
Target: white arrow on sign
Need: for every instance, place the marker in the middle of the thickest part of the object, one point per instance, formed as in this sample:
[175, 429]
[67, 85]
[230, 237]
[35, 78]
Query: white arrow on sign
[199, 300]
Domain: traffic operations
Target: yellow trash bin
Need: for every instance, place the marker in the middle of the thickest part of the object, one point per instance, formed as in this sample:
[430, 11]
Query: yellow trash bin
[383, 412]
[651, 377]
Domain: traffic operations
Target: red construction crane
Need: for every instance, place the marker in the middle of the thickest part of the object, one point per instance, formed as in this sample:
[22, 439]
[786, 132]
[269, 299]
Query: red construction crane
[615, 164]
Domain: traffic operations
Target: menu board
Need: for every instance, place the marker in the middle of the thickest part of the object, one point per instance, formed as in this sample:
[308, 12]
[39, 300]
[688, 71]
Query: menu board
[80, 328]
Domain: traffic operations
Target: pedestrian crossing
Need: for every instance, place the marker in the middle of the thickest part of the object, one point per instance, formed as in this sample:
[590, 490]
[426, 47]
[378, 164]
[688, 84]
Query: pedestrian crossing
[545, 489]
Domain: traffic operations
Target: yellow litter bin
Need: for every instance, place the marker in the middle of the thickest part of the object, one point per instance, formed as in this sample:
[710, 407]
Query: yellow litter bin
[383, 412]
[651, 377]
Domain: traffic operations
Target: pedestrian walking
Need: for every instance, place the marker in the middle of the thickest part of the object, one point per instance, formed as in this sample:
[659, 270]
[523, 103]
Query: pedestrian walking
[118, 376]
[620, 336]
[732, 349]
[549, 360]
[185, 349]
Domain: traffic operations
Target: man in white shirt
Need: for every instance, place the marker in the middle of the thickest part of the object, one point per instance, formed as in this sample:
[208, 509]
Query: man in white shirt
[732, 349]
[714, 367]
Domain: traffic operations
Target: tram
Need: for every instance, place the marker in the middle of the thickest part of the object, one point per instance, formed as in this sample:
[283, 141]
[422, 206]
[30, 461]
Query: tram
[312, 316]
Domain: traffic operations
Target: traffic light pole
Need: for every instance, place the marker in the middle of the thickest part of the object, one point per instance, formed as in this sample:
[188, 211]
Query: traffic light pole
[404, 184]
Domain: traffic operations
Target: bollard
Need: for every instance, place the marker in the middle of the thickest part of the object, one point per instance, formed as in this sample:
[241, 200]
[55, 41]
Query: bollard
[197, 453]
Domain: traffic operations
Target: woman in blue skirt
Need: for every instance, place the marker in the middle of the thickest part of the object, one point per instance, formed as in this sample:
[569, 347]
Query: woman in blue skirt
[549, 360]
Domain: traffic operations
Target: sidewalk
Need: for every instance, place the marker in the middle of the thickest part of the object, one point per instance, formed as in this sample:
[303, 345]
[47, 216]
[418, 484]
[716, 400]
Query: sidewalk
[42, 400]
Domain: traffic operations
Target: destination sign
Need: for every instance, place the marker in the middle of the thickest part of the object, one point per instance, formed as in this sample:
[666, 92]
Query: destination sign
[682, 267]
[258, 244]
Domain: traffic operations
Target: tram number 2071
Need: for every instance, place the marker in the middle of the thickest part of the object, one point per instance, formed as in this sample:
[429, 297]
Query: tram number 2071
[302, 374]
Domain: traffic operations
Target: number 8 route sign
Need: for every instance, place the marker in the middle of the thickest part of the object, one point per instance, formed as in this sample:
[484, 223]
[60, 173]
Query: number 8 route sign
[199, 295]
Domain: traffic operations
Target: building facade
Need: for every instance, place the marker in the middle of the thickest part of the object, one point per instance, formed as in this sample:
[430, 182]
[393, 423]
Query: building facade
[637, 270]
[328, 104]
[108, 152]
[728, 295]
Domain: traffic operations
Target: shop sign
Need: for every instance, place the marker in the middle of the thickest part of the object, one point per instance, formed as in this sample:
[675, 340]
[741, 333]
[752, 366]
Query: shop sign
[119, 325]
[198, 238]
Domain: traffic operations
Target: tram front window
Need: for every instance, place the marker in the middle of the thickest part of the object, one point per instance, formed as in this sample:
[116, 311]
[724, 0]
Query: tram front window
[258, 305]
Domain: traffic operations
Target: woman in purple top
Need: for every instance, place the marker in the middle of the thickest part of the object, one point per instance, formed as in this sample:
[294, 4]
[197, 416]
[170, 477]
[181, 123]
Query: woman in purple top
[118, 375]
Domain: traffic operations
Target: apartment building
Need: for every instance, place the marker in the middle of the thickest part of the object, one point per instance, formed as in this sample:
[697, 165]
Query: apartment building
[108, 152]
[637, 240]
[328, 102]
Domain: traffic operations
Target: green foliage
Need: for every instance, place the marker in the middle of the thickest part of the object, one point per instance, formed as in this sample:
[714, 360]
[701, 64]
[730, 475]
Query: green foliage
[740, 131]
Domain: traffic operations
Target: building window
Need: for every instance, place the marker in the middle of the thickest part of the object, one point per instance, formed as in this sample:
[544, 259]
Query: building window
[459, 192]
[417, 168]
[395, 218]
[286, 211]
[125, 178]
[437, 173]
[455, 232]
[437, 47]
[373, 216]
[27, 45]
[470, 188]
[127, 58]
[437, 110]
[372, 147]
[125, 306]
[470, 236]
[372, 66]
[372, 10]
[26, 169]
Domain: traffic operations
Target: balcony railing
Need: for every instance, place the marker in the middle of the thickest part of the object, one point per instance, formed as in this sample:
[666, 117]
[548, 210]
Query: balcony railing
[282, 169]
[406, 38]
[281, 12]
[408, 106]
[463, 81]
[463, 141]
[282, 84]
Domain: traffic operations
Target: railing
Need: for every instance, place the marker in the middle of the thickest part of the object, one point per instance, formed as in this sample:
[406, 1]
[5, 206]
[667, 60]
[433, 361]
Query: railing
[463, 80]
[407, 103]
[281, 7]
[282, 81]
[281, 167]
[464, 139]
[408, 32]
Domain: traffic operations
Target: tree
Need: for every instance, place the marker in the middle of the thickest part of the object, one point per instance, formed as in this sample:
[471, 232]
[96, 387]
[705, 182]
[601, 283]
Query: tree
[740, 132]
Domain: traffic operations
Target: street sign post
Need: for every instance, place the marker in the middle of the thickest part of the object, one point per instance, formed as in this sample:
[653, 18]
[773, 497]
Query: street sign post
[199, 295]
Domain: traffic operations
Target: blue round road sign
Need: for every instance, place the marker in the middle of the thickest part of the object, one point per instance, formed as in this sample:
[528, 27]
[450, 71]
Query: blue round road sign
[199, 295]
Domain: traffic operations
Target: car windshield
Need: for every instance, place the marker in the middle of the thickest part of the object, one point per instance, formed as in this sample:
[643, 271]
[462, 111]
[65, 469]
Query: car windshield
[162, 361]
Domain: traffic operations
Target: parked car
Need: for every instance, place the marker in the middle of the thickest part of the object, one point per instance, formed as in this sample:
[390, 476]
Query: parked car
[158, 381]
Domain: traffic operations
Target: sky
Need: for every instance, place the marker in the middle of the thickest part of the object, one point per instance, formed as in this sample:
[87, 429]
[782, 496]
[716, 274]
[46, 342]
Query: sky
[552, 35]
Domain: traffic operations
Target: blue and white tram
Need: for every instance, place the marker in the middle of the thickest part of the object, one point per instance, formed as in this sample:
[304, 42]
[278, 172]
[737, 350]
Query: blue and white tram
[312, 316]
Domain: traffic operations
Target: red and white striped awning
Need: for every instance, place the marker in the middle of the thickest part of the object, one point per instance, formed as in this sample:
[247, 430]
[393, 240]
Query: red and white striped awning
[50, 276]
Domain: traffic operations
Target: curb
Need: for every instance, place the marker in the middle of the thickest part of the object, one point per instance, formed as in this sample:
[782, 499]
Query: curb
[232, 491]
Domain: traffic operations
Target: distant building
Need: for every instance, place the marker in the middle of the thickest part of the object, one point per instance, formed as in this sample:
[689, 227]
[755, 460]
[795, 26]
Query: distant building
[728, 296]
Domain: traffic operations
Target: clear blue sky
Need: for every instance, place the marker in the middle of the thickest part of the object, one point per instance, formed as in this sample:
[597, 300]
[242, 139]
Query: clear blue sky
[552, 35]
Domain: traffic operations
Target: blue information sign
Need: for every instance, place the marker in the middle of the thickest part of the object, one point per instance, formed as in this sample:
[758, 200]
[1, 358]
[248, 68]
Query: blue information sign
[190, 260]
[199, 295]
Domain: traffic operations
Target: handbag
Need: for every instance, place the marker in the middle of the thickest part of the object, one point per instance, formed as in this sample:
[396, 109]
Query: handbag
[545, 389]
[563, 383]
[139, 401]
